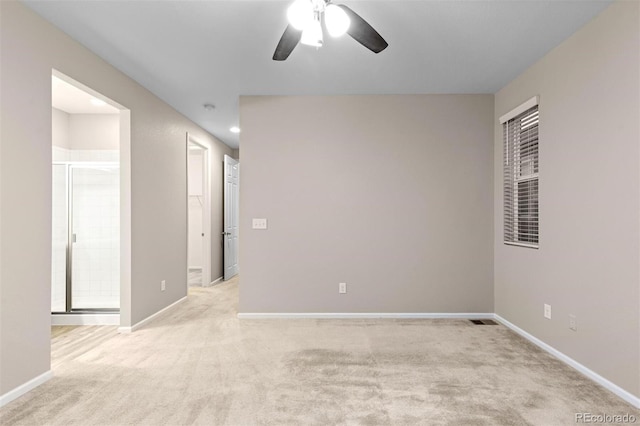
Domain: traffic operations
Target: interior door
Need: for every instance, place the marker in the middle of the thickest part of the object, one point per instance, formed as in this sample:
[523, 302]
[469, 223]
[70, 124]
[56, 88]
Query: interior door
[231, 216]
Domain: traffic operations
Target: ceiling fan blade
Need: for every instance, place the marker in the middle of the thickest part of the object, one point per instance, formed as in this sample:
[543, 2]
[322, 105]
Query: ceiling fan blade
[287, 43]
[363, 33]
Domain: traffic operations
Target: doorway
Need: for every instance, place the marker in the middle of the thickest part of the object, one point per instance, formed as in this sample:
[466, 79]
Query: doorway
[90, 268]
[198, 214]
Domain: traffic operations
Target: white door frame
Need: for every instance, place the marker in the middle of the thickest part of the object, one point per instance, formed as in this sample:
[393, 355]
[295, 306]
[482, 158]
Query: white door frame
[206, 210]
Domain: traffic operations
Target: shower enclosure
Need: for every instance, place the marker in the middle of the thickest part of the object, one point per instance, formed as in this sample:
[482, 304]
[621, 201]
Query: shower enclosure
[85, 272]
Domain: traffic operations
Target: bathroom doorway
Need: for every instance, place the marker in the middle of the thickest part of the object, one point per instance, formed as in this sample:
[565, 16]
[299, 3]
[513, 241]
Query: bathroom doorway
[86, 206]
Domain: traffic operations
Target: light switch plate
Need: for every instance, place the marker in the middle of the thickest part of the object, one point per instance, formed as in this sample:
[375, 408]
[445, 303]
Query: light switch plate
[259, 223]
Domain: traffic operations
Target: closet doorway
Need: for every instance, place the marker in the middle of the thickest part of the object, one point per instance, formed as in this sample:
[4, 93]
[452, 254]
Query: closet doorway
[198, 214]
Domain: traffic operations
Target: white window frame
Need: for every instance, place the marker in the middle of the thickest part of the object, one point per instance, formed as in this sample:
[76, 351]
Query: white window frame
[512, 177]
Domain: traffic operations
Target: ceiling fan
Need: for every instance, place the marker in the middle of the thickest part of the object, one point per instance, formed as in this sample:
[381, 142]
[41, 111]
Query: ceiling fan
[305, 26]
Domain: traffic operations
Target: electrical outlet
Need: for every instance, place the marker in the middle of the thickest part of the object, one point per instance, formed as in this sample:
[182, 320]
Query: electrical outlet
[342, 288]
[547, 311]
[573, 323]
[163, 285]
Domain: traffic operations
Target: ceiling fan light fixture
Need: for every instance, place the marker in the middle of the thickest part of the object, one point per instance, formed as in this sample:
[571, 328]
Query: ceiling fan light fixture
[336, 20]
[300, 14]
[312, 34]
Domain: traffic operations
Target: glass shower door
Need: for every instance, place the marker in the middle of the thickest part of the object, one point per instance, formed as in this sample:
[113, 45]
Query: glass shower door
[95, 237]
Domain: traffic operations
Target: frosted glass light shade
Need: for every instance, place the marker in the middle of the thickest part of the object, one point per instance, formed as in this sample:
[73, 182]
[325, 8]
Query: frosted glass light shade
[336, 20]
[300, 14]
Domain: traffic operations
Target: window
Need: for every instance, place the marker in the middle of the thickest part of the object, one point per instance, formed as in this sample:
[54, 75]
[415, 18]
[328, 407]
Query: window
[520, 132]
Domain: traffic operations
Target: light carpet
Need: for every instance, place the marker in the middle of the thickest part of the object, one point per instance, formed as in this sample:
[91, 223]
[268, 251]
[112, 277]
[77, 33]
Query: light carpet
[199, 364]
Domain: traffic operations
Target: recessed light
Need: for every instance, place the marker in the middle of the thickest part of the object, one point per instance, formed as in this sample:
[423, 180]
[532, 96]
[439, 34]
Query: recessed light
[209, 107]
[235, 129]
[97, 102]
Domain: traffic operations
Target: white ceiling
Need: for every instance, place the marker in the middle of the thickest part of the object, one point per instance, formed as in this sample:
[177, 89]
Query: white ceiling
[70, 99]
[194, 52]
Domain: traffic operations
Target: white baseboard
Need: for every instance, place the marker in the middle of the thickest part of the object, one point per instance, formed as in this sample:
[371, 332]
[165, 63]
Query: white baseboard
[149, 318]
[355, 315]
[627, 396]
[212, 283]
[25, 387]
[85, 319]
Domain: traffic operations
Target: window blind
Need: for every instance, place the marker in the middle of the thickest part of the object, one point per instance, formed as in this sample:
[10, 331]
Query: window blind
[521, 178]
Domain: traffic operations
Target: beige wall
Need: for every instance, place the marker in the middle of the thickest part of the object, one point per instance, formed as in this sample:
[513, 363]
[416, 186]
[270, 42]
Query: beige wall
[30, 49]
[588, 260]
[390, 194]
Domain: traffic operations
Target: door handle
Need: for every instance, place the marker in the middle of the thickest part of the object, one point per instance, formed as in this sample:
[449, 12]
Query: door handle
[226, 233]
